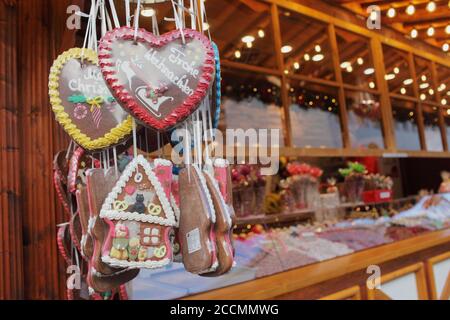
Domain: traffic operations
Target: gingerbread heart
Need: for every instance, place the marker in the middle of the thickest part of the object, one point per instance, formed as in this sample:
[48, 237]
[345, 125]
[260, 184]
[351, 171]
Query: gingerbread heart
[82, 102]
[159, 79]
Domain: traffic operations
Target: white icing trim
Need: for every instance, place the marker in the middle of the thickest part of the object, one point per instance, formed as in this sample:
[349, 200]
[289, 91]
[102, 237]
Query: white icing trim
[136, 216]
[135, 264]
[107, 212]
[221, 199]
[162, 162]
[176, 209]
[91, 223]
[212, 269]
[208, 195]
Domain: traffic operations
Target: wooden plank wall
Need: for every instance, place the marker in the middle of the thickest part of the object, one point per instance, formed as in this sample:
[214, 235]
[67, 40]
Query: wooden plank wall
[35, 32]
[11, 263]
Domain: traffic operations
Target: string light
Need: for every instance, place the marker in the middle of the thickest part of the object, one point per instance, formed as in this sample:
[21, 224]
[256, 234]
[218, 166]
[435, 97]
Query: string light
[414, 33]
[396, 70]
[286, 49]
[442, 87]
[317, 48]
[410, 9]
[261, 33]
[248, 38]
[407, 82]
[423, 77]
[391, 12]
[345, 64]
[430, 31]
[249, 44]
[403, 91]
[444, 102]
[318, 57]
[369, 71]
[431, 6]
[447, 29]
[237, 54]
[360, 61]
[371, 85]
[389, 76]
[445, 47]
[423, 96]
[296, 65]
[424, 85]
[431, 91]
[307, 57]
[448, 112]
[349, 69]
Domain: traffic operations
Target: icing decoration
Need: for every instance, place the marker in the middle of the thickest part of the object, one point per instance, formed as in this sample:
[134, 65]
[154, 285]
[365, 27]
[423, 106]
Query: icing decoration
[77, 88]
[157, 69]
[74, 166]
[154, 209]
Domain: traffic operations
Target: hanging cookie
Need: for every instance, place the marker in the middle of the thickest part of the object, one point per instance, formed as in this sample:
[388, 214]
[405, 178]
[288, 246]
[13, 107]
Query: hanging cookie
[82, 103]
[159, 79]
[139, 216]
[197, 218]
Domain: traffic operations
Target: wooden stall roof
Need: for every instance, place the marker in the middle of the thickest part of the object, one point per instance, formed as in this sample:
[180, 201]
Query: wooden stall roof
[421, 20]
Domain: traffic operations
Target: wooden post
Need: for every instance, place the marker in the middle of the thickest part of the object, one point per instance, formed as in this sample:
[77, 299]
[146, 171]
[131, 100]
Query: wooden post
[419, 109]
[284, 81]
[442, 126]
[386, 107]
[341, 93]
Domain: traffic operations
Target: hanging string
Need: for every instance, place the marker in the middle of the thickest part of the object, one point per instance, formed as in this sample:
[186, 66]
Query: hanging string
[87, 36]
[114, 14]
[103, 17]
[127, 13]
[69, 149]
[136, 19]
[178, 23]
[155, 27]
[134, 138]
[116, 169]
[205, 129]
[192, 13]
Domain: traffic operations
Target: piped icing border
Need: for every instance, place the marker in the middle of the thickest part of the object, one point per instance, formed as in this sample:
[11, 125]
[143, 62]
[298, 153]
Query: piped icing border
[222, 201]
[107, 212]
[212, 212]
[176, 209]
[122, 94]
[114, 136]
[135, 264]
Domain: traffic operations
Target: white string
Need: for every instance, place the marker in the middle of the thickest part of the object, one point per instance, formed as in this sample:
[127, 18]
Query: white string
[115, 162]
[155, 27]
[193, 20]
[127, 13]
[103, 17]
[205, 129]
[136, 19]
[178, 23]
[114, 14]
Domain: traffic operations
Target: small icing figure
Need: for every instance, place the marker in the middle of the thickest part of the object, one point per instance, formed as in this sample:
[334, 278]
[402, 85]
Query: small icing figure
[139, 206]
[120, 242]
[133, 249]
[142, 253]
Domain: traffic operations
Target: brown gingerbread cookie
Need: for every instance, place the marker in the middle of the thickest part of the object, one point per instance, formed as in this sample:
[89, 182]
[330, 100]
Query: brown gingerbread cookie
[196, 222]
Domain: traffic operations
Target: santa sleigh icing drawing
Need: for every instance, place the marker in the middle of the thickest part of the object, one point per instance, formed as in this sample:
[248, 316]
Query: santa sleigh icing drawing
[149, 95]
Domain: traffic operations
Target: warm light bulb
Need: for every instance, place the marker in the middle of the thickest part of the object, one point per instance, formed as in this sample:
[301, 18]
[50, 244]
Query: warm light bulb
[403, 91]
[286, 49]
[445, 47]
[371, 85]
[307, 57]
[318, 57]
[237, 54]
[389, 76]
[396, 70]
[248, 38]
[360, 61]
[423, 96]
[431, 91]
[448, 112]
[296, 65]
[430, 31]
[407, 82]
[349, 68]
[369, 71]
[249, 44]
[317, 48]
[431, 6]
[410, 9]
[447, 29]
[391, 12]
[444, 102]
[423, 77]
[414, 33]
[261, 33]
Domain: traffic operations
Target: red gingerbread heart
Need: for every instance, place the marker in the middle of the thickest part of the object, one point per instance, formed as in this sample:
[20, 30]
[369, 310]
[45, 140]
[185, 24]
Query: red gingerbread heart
[158, 79]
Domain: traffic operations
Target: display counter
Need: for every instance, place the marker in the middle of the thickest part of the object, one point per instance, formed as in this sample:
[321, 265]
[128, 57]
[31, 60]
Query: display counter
[301, 261]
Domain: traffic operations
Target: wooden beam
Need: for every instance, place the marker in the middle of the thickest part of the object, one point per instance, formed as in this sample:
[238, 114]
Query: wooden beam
[442, 125]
